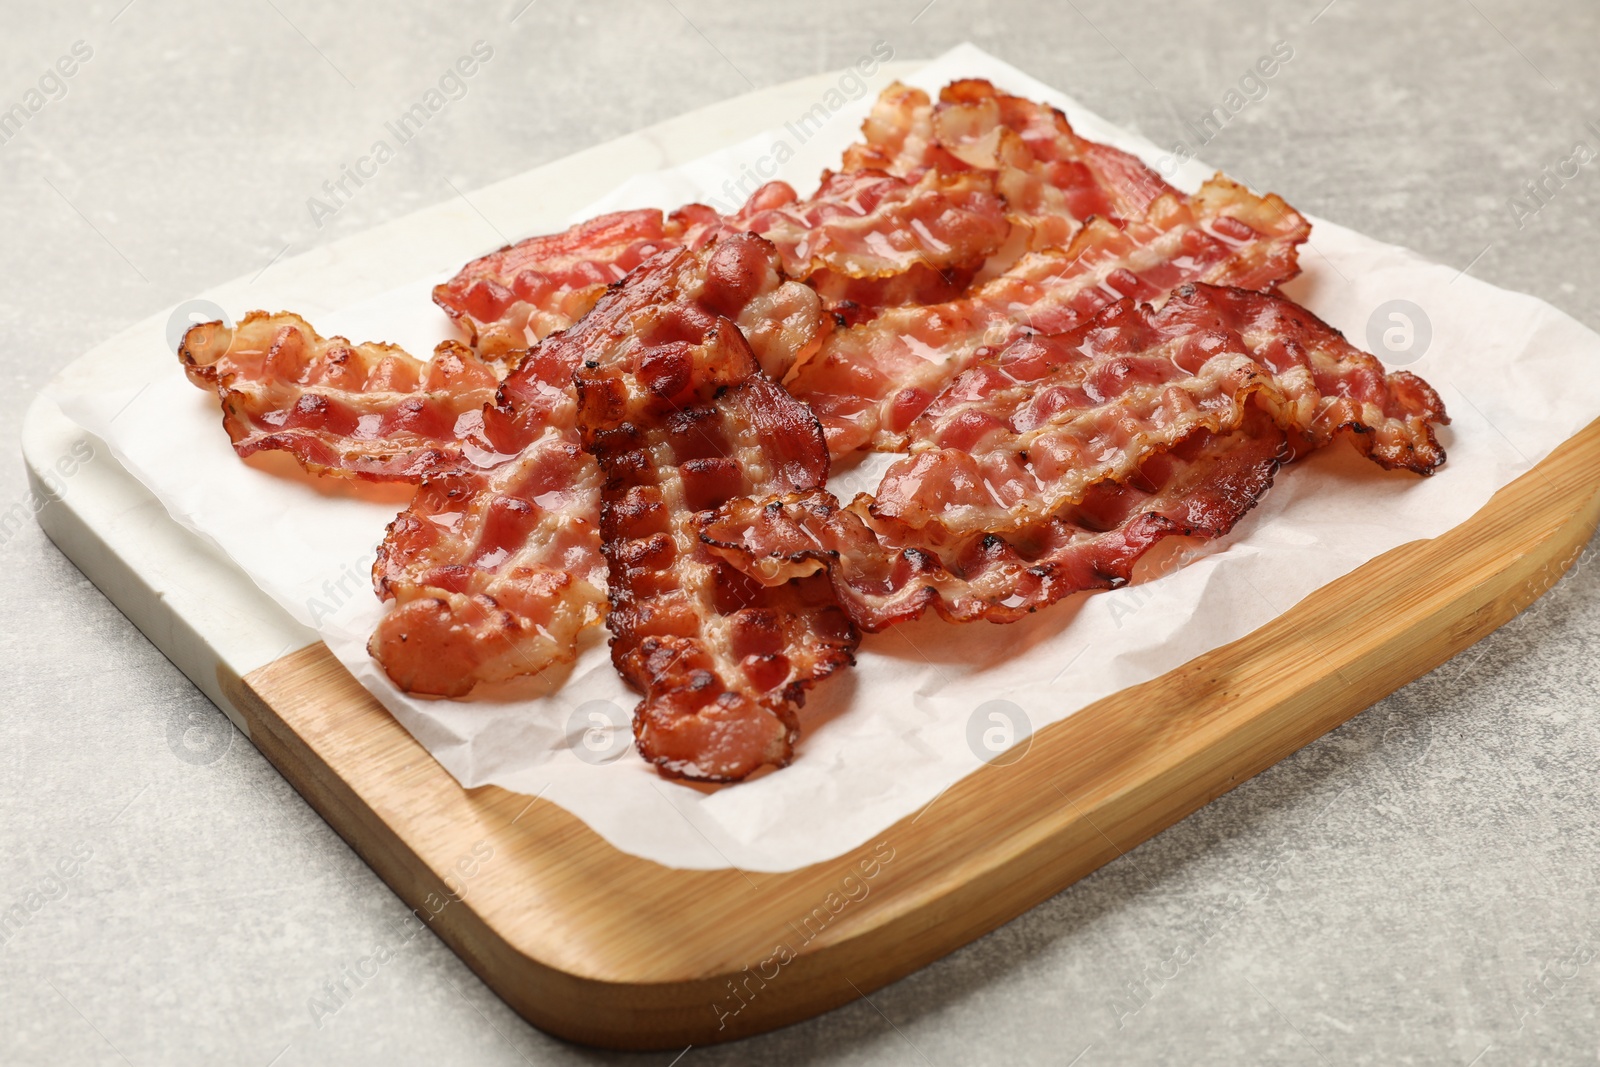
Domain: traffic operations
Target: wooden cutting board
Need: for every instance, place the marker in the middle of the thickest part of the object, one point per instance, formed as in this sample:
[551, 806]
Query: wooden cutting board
[604, 948]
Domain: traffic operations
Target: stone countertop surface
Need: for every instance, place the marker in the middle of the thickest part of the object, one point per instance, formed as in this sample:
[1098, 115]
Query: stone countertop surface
[1417, 887]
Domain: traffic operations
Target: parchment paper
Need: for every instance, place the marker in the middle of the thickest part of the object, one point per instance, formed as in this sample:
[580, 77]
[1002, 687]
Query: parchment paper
[927, 701]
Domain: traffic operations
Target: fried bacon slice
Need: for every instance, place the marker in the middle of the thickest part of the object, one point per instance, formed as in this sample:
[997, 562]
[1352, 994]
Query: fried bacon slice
[898, 136]
[674, 405]
[1052, 179]
[494, 570]
[1033, 427]
[884, 572]
[514, 297]
[871, 381]
[868, 240]
[865, 239]
[365, 411]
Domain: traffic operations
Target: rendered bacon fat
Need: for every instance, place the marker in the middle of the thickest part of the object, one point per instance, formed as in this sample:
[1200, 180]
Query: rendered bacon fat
[367, 411]
[870, 382]
[1036, 425]
[674, 405]
[884, 572]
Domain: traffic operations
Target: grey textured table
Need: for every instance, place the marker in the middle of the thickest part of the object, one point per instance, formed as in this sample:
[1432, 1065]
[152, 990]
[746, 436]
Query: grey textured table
[1420, 886]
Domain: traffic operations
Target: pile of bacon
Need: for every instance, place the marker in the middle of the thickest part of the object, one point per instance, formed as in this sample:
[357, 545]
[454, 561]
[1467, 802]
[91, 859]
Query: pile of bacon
[1071, 359]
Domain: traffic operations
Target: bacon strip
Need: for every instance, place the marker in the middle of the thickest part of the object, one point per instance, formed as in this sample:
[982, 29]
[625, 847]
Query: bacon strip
[1035, 426]
[366, 411]
[884, 572]
[870, 382]
[674, 405]
[1052, 179]
[495, 571]
[866, 239]
[515, 297]
[495, 567]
